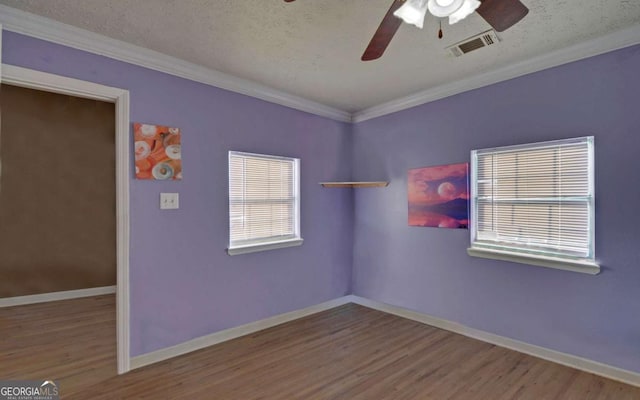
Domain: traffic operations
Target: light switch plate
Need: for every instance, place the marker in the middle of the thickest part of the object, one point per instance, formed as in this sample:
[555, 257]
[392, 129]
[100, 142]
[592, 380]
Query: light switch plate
[169, 201]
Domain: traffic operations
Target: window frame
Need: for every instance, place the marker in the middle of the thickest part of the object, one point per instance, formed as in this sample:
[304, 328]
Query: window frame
[273, 242]
[533, 256]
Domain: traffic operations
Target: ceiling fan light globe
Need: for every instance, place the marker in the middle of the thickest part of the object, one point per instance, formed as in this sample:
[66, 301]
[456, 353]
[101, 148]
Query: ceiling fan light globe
[412, 12]
[467, 8]
[444, 8]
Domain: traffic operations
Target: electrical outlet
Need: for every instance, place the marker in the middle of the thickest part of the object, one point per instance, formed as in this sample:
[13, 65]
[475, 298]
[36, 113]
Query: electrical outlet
[169, 201]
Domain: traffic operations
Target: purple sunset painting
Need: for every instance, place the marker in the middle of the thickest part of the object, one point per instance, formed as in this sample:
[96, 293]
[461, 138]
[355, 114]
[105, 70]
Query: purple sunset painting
[439, 196]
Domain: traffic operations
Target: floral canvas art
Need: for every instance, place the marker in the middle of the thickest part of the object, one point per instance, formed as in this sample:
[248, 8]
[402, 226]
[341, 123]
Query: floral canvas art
[157, 152]
[439, 196]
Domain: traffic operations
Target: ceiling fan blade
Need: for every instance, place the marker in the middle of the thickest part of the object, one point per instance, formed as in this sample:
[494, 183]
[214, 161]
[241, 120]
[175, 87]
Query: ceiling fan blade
[288, 1]
[387, 29]
[502, 14]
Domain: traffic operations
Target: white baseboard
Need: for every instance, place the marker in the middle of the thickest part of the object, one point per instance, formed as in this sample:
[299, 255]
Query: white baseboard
[232, 333]
[55, 296]
[583, 364]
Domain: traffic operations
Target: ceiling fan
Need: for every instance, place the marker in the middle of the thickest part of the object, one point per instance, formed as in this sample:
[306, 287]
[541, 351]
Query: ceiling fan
[500, 14]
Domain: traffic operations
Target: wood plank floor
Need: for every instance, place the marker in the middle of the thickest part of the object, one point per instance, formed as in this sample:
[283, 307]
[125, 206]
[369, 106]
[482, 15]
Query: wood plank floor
[350, 352]
[73, 341]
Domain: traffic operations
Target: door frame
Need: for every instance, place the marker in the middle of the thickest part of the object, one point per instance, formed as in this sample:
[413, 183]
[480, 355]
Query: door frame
[32, 79]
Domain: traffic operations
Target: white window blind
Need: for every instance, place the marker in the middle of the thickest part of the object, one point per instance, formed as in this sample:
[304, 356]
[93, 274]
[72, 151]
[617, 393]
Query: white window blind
[263, 199]
[536, 199]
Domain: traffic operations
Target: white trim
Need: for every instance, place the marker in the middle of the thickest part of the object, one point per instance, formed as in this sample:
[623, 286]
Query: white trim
[54, 83]
[122, 227]
[0, 63]
[254, 248]
[39, 80]
[232, 333]
[47, 29]
[613, 41]
[55, 296]
[0, 81]
[56, 32]
[585, 267]
[269, 243]
[583, 364]
[495, 249]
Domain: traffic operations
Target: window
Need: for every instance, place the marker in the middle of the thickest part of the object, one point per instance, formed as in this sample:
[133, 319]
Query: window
[264, 202]
[534, 204]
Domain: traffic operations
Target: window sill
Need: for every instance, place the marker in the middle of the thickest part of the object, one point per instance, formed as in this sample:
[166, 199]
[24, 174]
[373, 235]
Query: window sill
[585, 267]
[253, 248]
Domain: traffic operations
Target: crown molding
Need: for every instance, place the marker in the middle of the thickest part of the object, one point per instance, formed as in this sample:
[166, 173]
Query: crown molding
[57, 32]
[613, 41]
[53, 31]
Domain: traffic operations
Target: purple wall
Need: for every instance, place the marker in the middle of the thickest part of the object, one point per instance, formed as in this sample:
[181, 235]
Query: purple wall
[183, 284]
[428, 270]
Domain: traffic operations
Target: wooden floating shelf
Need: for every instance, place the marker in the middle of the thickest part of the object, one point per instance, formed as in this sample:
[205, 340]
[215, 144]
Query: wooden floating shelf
[354, 184]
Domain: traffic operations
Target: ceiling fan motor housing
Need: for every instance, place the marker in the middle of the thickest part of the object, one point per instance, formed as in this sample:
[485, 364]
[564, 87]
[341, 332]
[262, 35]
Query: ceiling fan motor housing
[444, 8]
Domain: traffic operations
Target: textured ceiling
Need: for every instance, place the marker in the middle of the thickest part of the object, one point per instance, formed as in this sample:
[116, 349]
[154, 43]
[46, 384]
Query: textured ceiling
[312, 48]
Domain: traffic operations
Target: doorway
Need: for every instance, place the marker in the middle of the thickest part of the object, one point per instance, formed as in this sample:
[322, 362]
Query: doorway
[30, 79]
[57, 194]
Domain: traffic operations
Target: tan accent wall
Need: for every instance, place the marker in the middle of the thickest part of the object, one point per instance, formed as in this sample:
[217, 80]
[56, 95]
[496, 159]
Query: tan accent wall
[57, 193]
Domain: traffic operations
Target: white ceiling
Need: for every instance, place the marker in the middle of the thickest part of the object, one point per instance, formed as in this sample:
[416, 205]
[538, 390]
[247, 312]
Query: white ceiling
[312, 48]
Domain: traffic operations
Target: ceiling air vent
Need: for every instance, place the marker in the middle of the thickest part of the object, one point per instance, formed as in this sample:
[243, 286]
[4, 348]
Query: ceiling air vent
[475, 42]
